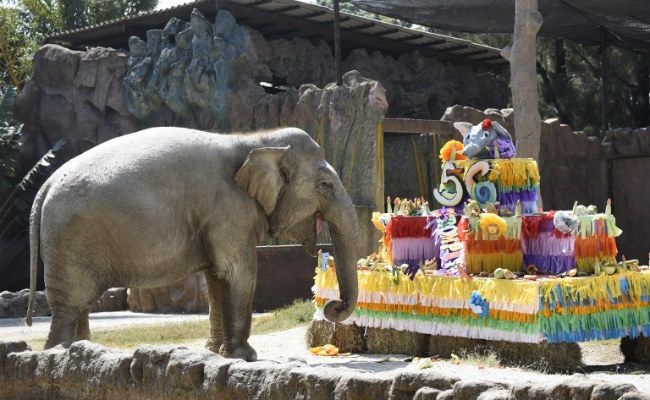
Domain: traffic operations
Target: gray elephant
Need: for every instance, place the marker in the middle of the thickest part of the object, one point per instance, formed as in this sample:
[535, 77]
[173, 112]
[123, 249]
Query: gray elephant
[479, 140]
[149, 208]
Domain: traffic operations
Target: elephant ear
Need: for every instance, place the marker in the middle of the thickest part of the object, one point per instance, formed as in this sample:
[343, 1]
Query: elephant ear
[263, 176]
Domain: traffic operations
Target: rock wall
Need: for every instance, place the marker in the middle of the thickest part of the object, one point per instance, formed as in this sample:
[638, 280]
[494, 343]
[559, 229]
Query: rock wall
[88, 370]
[628, 166]
[14, 305]
[206, 76]
[76, 96]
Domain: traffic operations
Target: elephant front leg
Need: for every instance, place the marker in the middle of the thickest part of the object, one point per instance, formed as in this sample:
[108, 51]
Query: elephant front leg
[236, 292]
[214, 297]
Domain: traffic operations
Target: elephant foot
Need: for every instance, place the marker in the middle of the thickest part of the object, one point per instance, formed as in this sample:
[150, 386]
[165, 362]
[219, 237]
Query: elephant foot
[244, 351]
[214, 345]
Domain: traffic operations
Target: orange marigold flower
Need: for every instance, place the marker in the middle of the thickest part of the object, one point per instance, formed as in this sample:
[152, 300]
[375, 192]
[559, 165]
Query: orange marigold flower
[445, 152]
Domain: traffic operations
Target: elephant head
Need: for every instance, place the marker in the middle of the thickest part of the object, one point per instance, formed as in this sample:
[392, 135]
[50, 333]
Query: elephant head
[478, 139]
[297, 189]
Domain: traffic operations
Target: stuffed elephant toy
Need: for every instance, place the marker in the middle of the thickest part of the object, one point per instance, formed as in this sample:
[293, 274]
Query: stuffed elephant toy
[148, 208]
[479, 140]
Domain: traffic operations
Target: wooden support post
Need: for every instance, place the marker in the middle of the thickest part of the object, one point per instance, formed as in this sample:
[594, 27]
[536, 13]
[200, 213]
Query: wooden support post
[603, 76]
[337, 44]
[523, 80]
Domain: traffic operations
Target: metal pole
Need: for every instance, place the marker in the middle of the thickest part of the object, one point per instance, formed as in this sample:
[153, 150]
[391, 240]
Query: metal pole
[337, 44]
[603, 76]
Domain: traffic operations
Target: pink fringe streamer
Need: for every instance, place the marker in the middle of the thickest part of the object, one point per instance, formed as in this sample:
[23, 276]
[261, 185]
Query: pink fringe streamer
[413, 248]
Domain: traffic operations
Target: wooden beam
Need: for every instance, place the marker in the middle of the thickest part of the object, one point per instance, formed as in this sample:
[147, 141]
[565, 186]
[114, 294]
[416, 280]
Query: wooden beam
[432, 43]
[454, 48]
[384, 33]
[312, 15]
[342, 19]
[474, 53]
[416, 126]
[408, 38]
[284, 9]
[359, 27]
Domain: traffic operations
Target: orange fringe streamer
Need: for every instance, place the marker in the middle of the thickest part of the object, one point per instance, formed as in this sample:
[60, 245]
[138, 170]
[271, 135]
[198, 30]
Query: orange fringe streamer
[594, 246]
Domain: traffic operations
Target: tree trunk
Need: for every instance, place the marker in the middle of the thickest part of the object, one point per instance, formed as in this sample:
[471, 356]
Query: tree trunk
[523, 80]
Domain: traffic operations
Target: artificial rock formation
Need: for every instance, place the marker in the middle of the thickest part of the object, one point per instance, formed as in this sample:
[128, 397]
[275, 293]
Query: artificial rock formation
[88, 370]
[206, 76]
[76, 96]
[188, 295]
[14, 305]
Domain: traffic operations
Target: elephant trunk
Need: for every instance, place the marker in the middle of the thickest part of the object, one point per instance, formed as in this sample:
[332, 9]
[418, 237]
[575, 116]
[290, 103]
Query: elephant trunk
[344, 231]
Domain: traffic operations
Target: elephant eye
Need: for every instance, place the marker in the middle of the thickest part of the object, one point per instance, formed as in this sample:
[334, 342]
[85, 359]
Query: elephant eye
[325, 186]
[486, 134]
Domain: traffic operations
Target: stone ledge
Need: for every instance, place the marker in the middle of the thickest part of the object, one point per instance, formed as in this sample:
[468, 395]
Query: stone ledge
[89, 370]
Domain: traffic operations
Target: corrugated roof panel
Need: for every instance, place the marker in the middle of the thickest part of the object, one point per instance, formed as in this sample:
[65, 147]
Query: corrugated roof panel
[290, 18]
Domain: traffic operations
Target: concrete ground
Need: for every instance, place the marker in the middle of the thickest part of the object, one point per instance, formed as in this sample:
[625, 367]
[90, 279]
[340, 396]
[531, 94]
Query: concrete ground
[289, 345]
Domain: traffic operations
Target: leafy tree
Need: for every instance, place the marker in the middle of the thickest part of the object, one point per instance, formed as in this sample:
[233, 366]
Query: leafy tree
[17, 46]
[25, 23]
[80, 13]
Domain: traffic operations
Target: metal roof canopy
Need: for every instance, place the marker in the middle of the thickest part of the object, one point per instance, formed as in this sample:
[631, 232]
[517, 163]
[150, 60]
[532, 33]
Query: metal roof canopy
[289, 19]
[627, 21]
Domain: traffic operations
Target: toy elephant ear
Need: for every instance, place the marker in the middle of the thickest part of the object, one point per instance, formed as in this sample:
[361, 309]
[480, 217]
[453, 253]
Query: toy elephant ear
[501, 131]
[263, 176]
[463, 127]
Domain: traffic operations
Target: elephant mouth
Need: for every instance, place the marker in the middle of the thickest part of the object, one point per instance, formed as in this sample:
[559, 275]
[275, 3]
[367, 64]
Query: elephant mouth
[319, 223]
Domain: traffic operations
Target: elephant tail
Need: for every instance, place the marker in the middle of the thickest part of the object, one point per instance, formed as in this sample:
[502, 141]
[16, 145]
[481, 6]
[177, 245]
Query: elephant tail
[34, 233]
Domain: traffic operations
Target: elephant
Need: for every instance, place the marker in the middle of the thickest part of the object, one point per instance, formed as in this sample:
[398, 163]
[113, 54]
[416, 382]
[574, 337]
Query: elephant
[148, 208]
[478, 140]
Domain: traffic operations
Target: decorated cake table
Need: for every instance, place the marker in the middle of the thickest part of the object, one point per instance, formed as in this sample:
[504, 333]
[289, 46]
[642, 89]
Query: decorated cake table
[489, 264]
[552, 310]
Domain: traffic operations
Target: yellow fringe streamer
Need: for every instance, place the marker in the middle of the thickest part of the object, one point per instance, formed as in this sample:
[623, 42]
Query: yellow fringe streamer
[477, 263]
[512, 172]
[519, 292]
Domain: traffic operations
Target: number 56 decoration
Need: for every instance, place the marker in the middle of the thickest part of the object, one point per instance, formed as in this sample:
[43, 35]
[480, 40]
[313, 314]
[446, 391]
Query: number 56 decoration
[451, 191]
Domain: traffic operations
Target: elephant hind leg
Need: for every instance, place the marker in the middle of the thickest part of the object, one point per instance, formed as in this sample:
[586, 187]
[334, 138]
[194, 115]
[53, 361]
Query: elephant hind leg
[70, 304]
[83, 326]
[62, 328]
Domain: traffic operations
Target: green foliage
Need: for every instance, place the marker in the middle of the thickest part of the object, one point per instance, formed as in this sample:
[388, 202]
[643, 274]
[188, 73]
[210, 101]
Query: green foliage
[571, 85]
[17, 205]
[24, 24]
[80, 13]
[9, 134]
[17, 47]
